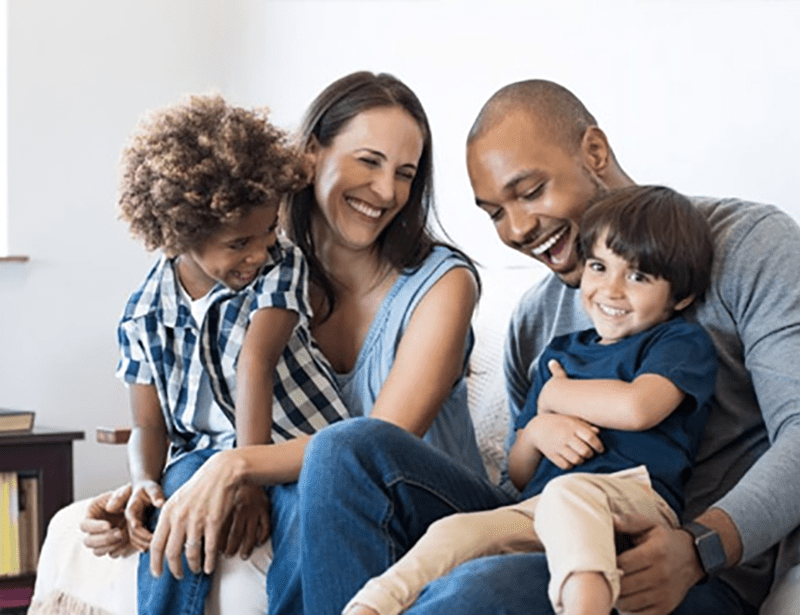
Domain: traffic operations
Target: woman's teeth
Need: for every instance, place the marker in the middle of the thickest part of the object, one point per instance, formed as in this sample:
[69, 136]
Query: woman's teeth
[362, 207]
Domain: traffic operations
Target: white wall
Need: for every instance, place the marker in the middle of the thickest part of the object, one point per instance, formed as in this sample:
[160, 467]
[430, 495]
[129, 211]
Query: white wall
[699, 95]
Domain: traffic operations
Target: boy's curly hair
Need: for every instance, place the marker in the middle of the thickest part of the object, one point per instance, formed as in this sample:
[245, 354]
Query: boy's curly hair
[191, 168]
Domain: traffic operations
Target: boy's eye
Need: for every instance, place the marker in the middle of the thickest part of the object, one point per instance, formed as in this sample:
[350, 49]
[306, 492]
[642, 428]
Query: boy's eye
[595, 266]
[638, 276]
[238, 244]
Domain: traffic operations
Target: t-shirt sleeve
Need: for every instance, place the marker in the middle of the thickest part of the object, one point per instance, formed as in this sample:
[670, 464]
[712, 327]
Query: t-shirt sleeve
[133, 366]
[284, 283]
[684, 354]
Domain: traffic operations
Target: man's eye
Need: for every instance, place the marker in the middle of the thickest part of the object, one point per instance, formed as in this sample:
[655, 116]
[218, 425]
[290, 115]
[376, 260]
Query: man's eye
[533, 194]
[237, 245]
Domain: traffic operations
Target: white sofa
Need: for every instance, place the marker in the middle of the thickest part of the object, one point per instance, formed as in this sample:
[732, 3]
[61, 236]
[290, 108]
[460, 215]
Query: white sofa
[72, 581]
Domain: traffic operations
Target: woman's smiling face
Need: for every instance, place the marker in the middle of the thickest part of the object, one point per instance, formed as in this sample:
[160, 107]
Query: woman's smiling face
[362, 179]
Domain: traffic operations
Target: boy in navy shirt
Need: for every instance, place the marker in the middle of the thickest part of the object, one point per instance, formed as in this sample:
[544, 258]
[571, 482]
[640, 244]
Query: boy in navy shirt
[612, 422]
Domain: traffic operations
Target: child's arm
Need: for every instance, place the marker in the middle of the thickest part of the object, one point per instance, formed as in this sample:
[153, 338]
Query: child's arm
[612, 404]
[567, 441]
[147, 454]
[264, 342]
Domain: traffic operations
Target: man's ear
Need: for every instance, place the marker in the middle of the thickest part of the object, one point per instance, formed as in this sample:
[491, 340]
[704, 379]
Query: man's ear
[683, 303]
[596, 150]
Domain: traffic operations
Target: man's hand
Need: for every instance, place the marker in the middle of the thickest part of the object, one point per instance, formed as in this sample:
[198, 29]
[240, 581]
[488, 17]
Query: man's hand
[105, 526]
[567, 441]
[658, 570]
[249, 522]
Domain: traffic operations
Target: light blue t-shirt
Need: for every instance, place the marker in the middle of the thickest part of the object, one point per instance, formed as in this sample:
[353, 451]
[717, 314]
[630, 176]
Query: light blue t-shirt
[452, 430]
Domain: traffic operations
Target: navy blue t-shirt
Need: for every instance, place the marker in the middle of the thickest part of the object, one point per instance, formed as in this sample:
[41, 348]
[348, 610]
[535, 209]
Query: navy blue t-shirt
[676, 349]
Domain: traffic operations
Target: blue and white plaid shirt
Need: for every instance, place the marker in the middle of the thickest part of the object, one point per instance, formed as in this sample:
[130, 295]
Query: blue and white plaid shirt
[162, 344]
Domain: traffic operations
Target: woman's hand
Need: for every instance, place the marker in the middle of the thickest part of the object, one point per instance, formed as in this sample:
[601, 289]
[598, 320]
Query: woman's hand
[193, 518]
[567, 441]
[105, 525]
[146, 494]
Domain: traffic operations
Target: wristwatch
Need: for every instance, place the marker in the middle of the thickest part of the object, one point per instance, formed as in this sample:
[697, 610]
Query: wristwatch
[708, 546]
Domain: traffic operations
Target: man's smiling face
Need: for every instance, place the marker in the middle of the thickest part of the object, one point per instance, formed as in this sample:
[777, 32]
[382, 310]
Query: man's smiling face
[534, 189]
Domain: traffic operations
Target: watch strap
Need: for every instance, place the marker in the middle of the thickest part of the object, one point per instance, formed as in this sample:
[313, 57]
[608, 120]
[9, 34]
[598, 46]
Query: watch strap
[708, 546]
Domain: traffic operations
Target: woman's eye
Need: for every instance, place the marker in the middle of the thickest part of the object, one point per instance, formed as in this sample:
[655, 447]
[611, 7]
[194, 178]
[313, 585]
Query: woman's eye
[406, 175]
[372, 162]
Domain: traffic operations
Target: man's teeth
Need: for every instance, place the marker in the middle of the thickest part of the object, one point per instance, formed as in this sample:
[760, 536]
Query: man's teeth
[544, 247]
[611, 311]
[362, 207]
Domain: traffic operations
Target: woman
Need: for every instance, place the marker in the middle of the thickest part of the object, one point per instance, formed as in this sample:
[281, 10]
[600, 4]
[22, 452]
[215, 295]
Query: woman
[392, 318]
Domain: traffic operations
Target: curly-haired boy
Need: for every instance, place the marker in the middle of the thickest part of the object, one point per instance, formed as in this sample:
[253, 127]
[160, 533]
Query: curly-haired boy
[212, 341]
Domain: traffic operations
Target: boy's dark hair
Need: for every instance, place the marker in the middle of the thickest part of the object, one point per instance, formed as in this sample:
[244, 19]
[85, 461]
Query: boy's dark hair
[656, 229]
[191, 168]
[408, 239]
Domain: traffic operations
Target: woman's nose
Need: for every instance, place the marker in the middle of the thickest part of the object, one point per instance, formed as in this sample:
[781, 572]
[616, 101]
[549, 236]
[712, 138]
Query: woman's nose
[383, 186]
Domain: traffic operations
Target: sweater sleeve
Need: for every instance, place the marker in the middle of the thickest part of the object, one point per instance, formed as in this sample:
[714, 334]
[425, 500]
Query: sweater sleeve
[761, 288]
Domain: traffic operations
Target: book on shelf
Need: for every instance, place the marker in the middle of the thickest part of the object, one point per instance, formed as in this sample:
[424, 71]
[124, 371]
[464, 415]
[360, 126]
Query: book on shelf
[9, 524]
[28, 523]
[16, 420]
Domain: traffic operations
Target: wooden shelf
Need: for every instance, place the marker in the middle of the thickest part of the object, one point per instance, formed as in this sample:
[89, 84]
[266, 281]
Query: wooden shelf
[47, 454]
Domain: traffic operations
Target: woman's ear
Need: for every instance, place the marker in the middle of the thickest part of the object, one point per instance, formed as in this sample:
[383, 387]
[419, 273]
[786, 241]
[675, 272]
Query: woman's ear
[310, 154]
[683, 303]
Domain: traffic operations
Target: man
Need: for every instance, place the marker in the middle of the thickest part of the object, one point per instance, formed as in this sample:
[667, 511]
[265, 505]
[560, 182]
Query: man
[535, 157]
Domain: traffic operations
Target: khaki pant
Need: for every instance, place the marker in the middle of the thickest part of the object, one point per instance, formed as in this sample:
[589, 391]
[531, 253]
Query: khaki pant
[572, 520]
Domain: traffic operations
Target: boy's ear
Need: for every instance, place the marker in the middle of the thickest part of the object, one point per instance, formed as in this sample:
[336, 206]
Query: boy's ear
[683, 303]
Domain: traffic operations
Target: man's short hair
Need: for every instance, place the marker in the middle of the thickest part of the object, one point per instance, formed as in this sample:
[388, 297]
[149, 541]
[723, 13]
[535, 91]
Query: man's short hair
[555, 106]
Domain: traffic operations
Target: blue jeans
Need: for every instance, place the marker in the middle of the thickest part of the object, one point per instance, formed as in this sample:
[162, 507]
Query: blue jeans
[369, 490]
[166, 595]
[284, 577]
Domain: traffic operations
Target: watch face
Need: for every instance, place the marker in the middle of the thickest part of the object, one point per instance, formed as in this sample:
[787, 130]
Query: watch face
[711, 552]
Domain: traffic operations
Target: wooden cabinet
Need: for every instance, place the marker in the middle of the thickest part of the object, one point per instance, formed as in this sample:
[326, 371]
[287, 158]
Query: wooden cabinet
[46, 454]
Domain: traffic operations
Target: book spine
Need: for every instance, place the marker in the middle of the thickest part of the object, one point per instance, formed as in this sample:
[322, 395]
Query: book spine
[28, 523]
[9, 524]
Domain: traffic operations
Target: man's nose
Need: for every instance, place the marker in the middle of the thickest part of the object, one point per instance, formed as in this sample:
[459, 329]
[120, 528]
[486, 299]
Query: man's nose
[520, 227]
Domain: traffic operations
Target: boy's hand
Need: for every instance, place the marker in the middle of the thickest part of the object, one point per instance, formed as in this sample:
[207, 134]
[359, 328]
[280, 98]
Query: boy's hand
[146, 494]
[567, 441]
[105, 526]
[557, 372]
[249, 521]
